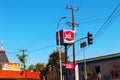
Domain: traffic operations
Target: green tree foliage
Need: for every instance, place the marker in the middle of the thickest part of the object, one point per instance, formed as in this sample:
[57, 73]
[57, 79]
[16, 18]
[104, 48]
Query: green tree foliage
[31, 68]
[22, 59]
[53, 63]
[39, 67]
[42, 69]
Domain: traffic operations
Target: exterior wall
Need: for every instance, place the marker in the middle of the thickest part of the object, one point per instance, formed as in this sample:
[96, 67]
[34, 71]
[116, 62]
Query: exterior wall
[19, 75]
[109, 69]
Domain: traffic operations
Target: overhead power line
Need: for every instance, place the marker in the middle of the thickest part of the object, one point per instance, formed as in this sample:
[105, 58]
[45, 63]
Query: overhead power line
[113, 16]
[43, 48]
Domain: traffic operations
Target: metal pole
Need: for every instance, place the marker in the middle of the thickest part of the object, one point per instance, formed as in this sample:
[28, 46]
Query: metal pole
[85, 75]
[66, 61]
[59, 46]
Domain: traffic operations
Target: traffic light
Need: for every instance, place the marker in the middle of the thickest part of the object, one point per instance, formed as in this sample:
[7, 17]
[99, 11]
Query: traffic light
[90, 39]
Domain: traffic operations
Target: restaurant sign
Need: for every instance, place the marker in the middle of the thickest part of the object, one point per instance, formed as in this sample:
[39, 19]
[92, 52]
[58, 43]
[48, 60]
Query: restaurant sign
[11, 66]
[66, 37]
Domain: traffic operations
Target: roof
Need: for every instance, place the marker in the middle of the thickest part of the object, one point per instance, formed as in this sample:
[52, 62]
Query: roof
[100, 58]
[3, 57]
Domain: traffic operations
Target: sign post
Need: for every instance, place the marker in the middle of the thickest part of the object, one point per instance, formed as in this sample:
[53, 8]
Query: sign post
[66, 38]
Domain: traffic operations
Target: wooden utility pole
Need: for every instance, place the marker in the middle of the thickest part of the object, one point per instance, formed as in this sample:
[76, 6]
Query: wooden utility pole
[73, 24]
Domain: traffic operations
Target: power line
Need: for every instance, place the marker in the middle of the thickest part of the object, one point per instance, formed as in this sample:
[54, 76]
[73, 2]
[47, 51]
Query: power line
[14, 52]
[111, 22]
[113, 16]
[51, 31]
[43, 48]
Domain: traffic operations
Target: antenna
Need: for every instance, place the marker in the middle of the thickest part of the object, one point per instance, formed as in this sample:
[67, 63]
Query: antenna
[1, 45]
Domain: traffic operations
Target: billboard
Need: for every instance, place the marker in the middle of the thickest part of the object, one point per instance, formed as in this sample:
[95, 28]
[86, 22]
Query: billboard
[11, 66]
[66, 37]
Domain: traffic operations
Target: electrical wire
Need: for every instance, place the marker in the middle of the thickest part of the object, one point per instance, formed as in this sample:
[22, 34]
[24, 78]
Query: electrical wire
[113, 16]
[102, 29]
[41, 48]
[38, 38]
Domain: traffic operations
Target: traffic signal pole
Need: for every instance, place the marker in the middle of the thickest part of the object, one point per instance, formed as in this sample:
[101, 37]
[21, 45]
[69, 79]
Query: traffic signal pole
[85, 71]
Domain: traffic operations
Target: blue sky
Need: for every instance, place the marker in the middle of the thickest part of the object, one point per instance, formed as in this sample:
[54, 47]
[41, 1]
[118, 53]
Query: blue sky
[32, 24]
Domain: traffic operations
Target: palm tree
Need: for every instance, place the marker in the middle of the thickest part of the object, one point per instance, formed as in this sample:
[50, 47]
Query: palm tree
[22, 59]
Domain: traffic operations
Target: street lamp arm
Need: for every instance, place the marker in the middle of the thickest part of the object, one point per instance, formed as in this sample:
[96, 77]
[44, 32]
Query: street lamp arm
[63, 17]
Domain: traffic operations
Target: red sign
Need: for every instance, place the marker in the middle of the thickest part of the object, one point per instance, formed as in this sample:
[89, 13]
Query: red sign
[69, 35]
[69, 66]
[66, 37]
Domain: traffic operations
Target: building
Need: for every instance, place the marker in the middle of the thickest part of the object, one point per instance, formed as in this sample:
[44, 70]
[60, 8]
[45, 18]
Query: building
[11, 71]
[104, 67]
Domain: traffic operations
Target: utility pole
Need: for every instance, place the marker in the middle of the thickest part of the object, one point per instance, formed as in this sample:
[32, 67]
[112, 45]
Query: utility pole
[73, 24]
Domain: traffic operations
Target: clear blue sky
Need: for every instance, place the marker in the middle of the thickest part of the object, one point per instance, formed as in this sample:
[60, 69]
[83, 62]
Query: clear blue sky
[32, 24]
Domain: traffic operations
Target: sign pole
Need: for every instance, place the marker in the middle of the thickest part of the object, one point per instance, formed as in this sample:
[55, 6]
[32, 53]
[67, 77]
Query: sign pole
[85, 64]
[66, 61]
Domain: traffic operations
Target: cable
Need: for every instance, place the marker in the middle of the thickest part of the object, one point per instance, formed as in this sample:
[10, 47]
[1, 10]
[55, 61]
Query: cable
[41, 48]
[114, 15]
[34, 49]
[45, 41]
[107, 22]
[14, 52]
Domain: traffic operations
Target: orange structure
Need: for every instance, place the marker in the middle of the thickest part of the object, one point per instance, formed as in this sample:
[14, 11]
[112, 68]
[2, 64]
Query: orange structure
[13, 74]
[22, 75]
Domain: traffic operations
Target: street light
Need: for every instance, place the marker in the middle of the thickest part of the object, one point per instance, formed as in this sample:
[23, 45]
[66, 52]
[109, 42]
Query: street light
[58, 24]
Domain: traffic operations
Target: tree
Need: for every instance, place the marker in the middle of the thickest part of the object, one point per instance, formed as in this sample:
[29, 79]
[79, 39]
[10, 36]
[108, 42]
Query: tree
[31, 68]
[22, 59]
[53, 63]
[42, 69]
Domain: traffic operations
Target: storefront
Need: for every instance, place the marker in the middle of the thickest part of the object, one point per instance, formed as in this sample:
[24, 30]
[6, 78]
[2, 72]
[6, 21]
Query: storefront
[103, 67]
[11, 71]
